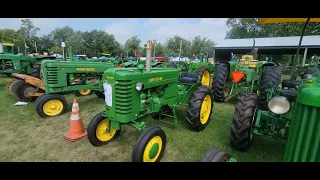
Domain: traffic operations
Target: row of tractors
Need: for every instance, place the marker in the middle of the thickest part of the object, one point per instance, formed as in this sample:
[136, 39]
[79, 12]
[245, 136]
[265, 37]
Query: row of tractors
[134, 90]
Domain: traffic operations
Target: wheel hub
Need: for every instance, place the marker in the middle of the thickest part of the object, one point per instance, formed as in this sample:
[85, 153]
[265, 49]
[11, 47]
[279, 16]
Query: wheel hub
[154, 150]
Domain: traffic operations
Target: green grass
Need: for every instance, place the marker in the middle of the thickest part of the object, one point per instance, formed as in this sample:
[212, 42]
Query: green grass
[24, 136]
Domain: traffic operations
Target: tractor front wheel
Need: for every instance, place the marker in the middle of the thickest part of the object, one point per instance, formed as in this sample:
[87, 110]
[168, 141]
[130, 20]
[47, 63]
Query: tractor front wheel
[98, 134]
[49, 105]
[83, 92]
[219, 82]
[200, 109]
[204, 74]
[150, 146]
[215, 155]
[242, 122]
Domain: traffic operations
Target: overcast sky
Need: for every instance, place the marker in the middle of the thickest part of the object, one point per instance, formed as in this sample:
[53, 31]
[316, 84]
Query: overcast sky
[123, 28]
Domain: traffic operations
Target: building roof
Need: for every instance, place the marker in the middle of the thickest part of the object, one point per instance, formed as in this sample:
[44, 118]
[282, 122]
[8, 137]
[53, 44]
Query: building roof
[270, 43]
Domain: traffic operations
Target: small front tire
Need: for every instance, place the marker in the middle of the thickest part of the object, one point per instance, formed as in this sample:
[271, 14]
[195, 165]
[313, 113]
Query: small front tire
[97, 133]
[49, 105]
[150, 146]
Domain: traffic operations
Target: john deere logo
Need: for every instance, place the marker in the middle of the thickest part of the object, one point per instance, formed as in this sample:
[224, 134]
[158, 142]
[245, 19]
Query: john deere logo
[155, 79]
[85, 69]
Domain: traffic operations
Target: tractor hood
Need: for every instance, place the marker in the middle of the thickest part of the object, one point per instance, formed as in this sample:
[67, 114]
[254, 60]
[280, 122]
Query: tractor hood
[154, 78]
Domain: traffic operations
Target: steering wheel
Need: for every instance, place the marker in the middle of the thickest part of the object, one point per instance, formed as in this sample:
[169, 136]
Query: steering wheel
[302, 72]
[182, 66]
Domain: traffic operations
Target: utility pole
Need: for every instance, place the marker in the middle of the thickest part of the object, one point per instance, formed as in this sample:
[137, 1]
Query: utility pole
[180, 49]
[35, 45]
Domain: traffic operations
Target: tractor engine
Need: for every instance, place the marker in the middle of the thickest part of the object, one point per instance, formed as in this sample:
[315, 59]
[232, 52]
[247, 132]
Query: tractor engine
[134, 93]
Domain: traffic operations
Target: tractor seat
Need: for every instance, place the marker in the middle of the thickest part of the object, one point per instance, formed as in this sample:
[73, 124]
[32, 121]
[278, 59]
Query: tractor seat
[188, 78]
[288, 84]
[289, 94]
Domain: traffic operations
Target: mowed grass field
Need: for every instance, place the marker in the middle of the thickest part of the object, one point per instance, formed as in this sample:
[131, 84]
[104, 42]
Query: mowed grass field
[24, 136]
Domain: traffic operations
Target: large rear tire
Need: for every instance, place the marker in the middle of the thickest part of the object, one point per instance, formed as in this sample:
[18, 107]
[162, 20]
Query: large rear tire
[219, 82]
[36, 70]
[215, 155]
[270, 78]
[204, 74]
[200, 109]
[242, 122]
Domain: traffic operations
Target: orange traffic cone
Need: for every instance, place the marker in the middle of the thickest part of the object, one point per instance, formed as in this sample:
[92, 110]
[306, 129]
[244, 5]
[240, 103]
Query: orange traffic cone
[76, 130]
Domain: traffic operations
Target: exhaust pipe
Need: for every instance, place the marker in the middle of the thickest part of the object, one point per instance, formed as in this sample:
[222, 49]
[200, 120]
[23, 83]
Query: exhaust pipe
[148, 60]
[1, 48]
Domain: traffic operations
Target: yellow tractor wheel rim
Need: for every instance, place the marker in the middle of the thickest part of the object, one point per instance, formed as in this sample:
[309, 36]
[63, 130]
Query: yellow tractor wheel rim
[52, 107]
[84, 92]
[153, 149]
[205, 109]
[205, 80]
[102, 133]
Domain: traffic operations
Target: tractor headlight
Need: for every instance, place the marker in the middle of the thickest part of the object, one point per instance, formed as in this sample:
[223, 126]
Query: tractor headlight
[139, 86]
[279, 105]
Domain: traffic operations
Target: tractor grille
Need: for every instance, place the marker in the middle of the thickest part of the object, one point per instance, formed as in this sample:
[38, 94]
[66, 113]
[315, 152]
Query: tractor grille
[303, 144]
[52, 75]
[123, 93]
[6, 64]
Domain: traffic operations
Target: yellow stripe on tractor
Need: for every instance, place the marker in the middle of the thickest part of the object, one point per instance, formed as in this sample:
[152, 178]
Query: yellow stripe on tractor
[285, 20]
[8, 44]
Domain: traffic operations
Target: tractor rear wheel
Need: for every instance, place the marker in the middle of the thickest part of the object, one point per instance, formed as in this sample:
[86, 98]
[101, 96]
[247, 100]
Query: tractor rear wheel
[270, 78]
[200, 109]
[204, 73]
[24, 90]
[49, 105]
[215, 155]
[97, 131]
[15, 86]
[36, 70]
[83, 92]
[242, 122]
[219, 82]
[150, 146]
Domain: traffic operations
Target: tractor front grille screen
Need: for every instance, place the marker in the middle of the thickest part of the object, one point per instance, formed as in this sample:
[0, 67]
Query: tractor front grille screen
[52, 74]
[123, 93]
[6, 64]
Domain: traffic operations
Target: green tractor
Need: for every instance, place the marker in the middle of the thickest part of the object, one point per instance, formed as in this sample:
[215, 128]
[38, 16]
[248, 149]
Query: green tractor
[203, 69]
[248, 75]
[292, 117]
[133, 94]
[19, 63]
[58, 78]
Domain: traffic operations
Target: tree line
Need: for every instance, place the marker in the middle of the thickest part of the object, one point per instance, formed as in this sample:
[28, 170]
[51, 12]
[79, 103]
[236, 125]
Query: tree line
[94, 42]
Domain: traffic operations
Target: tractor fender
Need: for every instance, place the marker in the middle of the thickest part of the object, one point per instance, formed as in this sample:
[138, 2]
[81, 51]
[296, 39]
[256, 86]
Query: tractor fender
[190, 91]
